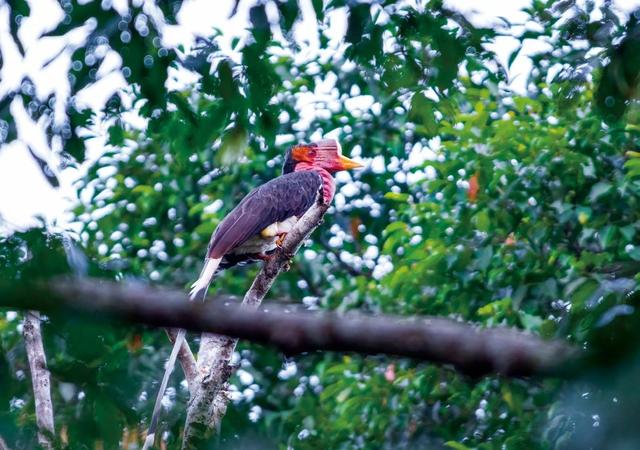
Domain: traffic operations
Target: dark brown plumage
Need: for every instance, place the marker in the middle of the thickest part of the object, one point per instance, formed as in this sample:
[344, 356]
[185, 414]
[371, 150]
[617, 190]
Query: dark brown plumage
[288, 195]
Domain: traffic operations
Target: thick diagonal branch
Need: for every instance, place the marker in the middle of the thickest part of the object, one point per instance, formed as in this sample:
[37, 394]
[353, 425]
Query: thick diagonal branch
[209, 401]
[39, 378]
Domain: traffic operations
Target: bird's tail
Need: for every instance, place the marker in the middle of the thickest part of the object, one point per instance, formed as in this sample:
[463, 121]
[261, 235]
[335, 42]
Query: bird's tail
[199, 288]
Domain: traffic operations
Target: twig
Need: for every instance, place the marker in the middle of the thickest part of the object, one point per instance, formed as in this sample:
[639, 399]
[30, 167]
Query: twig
[235, 9]
[3, 444]
[39, 378]
[186, 358]
[208, 402]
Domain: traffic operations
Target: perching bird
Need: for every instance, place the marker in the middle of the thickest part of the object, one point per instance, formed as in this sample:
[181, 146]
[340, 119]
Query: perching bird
[256, 227]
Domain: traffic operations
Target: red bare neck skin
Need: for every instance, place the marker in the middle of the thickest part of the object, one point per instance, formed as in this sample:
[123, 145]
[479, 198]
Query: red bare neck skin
[328, 183]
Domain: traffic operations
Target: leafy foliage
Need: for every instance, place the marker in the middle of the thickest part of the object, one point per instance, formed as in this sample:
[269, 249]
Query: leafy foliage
[478, 203]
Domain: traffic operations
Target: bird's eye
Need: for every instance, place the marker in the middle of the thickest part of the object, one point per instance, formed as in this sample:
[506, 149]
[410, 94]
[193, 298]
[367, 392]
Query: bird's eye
[311, 153]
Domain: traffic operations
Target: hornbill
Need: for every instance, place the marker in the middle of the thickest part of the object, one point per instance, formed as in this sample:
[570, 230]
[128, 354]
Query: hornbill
[255, 228]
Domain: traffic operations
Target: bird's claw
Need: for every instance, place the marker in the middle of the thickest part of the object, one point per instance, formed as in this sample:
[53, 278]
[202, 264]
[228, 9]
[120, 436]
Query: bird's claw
[280, 240]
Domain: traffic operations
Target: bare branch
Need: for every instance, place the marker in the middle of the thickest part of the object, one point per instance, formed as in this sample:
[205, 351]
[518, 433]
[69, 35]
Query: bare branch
[469, 348]
[186, 358]
[39, 378]
[280, 261]
[208, 400]
[3, 444]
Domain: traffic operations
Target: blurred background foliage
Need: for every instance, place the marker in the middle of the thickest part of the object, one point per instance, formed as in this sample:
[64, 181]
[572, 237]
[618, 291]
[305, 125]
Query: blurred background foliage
[478, 203]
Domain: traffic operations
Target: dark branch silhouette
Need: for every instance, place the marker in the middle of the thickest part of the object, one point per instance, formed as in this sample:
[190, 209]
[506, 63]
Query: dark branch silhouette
[469, 348]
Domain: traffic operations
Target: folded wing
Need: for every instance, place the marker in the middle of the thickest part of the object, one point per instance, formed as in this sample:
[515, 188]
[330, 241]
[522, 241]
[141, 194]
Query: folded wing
[275, 201]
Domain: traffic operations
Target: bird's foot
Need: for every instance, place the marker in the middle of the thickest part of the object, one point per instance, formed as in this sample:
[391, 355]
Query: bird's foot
[280, 240]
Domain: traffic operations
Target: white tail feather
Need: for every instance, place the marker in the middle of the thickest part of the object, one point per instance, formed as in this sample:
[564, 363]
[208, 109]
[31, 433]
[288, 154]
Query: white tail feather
[202, 283]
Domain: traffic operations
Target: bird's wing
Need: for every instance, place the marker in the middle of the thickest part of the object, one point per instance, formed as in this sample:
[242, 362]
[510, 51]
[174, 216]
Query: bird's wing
[288, 195]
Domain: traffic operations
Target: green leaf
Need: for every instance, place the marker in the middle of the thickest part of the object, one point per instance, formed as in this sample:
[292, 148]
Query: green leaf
[142, 189]
[196, 209]
[482, 221]
[634, 254]
[456, 445]
[234, 145]
[530, 322]
[599, 190]
[628, 232]
[397, 196]
[116, 135]
[607, 235]
[358, 19]
[422, 112]
[498, 307]
[395, 226]
[205, 228]
[484, 256]
[583, 292]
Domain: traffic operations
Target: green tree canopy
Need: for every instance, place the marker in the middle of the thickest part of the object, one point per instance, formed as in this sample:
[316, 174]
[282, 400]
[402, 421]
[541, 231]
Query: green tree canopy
[478, 203]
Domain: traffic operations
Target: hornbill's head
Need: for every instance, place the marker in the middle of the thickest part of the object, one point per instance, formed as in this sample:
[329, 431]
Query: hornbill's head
[325, 154]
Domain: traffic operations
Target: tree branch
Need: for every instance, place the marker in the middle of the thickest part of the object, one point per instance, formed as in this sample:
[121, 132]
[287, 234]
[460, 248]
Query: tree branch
[208, 401]
[186, 358]
[3, 444]
[469, 348]
[39, 378]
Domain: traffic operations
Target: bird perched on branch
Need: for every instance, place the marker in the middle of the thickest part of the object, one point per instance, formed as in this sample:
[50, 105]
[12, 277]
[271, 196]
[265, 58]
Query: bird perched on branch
[255, 228]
